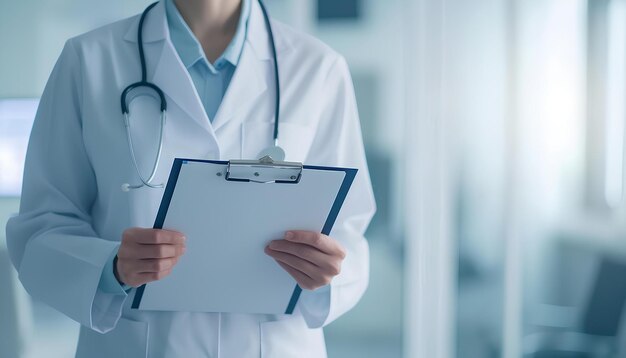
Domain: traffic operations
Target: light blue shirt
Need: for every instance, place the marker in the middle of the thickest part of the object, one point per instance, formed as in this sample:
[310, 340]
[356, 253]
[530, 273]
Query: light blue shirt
[211, 82]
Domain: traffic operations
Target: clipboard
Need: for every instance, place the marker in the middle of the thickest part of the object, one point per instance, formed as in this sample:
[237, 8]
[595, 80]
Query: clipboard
[229, 211]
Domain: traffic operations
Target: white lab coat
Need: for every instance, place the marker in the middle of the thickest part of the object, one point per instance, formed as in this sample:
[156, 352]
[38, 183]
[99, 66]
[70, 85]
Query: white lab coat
[73, 212]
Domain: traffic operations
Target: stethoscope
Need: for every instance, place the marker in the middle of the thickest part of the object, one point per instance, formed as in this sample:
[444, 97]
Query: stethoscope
[275, 151]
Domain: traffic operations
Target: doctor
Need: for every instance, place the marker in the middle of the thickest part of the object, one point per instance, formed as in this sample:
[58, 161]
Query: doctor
[81, 244]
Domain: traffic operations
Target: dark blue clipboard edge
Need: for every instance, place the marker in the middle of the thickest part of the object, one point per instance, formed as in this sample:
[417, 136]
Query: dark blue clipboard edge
[328, 225]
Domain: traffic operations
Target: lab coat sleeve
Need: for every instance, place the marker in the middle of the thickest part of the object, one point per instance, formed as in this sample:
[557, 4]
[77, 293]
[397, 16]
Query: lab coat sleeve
[108, 281]
[51, 242]
[338, 142]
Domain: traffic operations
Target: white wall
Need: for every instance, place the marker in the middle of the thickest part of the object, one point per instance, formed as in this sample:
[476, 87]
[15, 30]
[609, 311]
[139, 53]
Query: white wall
[43, 27]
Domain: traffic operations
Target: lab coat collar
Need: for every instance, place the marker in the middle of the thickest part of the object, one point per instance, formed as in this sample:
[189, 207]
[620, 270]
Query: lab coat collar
[155, 26]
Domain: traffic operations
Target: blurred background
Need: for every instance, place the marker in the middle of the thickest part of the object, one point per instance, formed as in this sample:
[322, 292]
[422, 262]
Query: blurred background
[495, 135]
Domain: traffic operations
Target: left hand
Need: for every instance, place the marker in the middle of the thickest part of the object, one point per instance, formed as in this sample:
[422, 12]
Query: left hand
[311, 258]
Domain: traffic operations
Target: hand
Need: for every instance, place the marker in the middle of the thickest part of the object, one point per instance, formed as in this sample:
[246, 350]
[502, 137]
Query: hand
[147, 255]
[311, 258]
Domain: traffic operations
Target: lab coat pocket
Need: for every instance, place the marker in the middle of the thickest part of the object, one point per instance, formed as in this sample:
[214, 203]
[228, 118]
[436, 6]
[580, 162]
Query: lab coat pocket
[129, 339]
[294, 138]
[291, 338]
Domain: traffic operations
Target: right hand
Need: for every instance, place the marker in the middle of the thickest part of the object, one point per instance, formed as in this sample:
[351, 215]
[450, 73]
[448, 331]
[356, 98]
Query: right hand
[147, 255]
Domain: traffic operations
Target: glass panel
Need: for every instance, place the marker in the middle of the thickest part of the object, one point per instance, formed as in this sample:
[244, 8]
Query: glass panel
[16, 120]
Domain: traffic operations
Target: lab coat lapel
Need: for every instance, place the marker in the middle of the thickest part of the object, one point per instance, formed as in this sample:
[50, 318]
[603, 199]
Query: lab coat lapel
[171, 75]
[247, 85]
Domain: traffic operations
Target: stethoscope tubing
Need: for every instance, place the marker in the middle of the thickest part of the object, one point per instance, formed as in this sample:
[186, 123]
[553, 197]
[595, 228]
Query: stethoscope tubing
[142, 60]
[155, 165]
[266, 17]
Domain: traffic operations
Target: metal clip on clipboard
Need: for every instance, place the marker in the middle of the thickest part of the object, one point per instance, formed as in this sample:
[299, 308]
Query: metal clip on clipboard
[264, 170]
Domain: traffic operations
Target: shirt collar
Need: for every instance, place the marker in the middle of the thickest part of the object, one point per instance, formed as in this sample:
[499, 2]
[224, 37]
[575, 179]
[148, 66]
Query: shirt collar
[188, 46]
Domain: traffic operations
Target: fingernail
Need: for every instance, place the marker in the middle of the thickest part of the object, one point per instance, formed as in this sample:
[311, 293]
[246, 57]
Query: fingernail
[289, 235]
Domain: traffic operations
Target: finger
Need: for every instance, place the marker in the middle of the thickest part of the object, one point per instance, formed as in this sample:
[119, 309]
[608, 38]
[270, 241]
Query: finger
[153, 251]
[317, 240]
[155, 265]
[146, 277]
[306, 267]
[134, 275]
[303, 280]
[159, 237]
[147, 236]
[327, 265]
[302, 251]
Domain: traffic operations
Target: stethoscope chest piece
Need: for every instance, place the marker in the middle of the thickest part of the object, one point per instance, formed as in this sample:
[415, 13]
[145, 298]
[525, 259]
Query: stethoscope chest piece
[275, 152]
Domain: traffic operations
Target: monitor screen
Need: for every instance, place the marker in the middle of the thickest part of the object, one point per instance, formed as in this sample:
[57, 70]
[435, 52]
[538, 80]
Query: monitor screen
[16, 121]
[338, 9]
